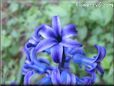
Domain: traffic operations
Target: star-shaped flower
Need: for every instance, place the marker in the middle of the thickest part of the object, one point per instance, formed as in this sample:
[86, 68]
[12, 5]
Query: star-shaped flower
[56, 38]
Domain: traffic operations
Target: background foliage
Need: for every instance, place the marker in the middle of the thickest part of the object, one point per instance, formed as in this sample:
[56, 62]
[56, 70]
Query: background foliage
[19, 18]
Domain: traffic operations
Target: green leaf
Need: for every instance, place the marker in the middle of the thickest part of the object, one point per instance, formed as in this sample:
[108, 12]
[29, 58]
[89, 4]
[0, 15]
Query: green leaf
[108, 79]
[96, 16]
[6, 41]
[13, 7]
[97, 31]
[107, 12]
[14, 49]
[53, 10]
[92, 40]
[109, 37]
[82, 32]
[101, 15]
[15, 34]
[106, 63]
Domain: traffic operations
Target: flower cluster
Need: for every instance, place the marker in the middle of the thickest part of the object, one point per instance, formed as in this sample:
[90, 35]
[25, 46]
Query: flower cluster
[59, 44]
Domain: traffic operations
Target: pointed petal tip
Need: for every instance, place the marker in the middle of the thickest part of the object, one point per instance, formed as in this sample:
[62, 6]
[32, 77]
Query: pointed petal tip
[101, 53]
[56, 53]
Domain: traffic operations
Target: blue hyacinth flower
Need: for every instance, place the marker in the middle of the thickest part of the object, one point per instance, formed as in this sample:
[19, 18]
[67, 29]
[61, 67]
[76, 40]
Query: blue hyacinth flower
[56, 38]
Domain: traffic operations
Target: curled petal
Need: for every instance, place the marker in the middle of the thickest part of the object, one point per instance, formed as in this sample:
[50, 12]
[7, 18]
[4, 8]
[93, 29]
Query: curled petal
[56, 53]
[37, 29]
[36, 35]
[28, 77]
[45, 81]
[33, 55]
[67, 62]
[32, 43]
[100, 69]
[26, 50]
[24, 70]
[73, 51]
[73, 79]
[69, 31]
[87, 62]
[101, 53]
[45, 44]
[65, 77]
[70, 43]
[47, 32]
[38, 64]
[45, 61]
[56, 25]
[40, 68]
[36, 60]
[55, 77]
[87, 80]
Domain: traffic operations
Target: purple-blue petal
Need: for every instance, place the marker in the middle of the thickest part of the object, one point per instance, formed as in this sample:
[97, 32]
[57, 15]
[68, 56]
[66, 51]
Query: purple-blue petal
[39, 68]
[36, 32]
[65, 77]
[87, 62]
[45, 81]
[70, 43]
[56, 53]
[69, 31]
[47, 32]
[73, 51]
[100, 69]
[73, 79]
[24, 70]
[45, 44]
[55, 77]
[56, 25]
[26, 50]
[48, 51]
[27, 77]
[86, 80]
[32, 43]
[67, 62]
[41, 60]
[36, 35]
[34, 59]
[101, 53]
[33, 55]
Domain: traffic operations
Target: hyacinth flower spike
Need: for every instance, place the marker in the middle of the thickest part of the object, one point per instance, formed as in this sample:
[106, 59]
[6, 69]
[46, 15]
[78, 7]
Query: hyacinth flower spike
[58, 44]
[56, 38]
[91, 64]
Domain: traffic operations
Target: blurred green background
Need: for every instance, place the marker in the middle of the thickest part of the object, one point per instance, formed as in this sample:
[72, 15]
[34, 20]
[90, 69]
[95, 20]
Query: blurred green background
[19, 18]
